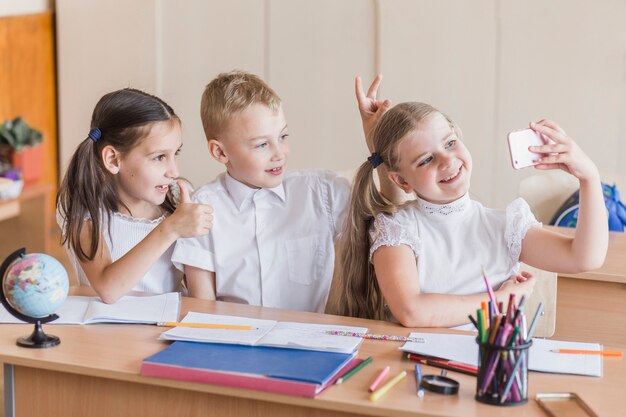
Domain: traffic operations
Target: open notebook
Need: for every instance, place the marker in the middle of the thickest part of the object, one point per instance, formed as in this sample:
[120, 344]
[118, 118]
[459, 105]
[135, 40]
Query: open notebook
[305, 336]
[463, 348]
[128, 309]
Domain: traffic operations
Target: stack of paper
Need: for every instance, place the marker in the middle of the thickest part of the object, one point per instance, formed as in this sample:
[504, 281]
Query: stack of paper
[463, 348]
[128, 309]
[267, 333]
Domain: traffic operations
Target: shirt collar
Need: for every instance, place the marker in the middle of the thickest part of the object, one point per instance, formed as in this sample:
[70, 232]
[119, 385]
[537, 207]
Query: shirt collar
[240, 192]
[445, 211]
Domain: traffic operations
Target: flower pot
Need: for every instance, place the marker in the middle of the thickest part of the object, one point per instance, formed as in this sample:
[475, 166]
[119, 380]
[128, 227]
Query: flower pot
[29, 160]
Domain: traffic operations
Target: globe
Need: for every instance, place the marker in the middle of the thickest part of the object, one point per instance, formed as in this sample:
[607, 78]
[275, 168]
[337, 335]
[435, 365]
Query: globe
[32, 286]
[35, 285]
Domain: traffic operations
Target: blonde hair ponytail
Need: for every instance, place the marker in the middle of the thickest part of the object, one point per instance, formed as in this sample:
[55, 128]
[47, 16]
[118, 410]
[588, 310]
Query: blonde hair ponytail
[360, 294]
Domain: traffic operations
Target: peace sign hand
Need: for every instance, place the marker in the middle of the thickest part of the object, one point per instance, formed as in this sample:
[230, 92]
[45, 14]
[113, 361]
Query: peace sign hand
[370, 108]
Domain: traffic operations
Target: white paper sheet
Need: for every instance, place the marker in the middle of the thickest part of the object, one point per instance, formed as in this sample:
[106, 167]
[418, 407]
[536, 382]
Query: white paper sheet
[463, 348]
[267, 333]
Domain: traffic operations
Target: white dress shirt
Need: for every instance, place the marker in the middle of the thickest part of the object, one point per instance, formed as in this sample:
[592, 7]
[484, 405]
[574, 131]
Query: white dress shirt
[271, 246]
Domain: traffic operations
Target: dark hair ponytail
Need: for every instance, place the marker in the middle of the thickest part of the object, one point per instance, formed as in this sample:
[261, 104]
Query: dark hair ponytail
[120, 119]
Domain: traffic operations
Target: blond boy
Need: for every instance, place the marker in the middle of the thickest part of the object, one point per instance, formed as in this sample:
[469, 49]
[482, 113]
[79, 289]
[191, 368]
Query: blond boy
[272, 241]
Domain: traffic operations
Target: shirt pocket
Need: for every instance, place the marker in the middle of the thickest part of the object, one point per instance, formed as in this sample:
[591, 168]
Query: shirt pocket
[305, 258]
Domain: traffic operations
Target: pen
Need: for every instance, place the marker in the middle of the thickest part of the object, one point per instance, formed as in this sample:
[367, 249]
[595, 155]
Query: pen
[379, 379]
[444, 364]
[388, 337]
[418, 381]
[203, 325]
[589, 352]
[354, 370]
[388, 386]
[534, 322]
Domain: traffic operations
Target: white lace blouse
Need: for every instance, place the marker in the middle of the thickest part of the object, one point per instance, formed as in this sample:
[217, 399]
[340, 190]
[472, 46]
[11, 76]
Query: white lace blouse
[453, 241]
[126, 233]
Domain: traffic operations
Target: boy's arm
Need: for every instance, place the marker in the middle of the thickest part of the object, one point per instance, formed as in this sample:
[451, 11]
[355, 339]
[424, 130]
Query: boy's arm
[371, 111]
[587, 249]
[396, 272]
[200, 283]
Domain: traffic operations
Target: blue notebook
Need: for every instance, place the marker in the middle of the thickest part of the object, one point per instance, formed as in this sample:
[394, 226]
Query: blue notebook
[287, 371]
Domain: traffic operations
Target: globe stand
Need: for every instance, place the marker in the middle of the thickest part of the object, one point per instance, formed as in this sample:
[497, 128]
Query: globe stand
[38, 339]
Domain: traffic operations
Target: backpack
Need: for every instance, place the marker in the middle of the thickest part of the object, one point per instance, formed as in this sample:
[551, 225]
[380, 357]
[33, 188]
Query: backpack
[567, 214]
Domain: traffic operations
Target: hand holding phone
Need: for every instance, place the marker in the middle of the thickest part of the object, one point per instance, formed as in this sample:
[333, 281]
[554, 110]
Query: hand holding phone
[520, 141]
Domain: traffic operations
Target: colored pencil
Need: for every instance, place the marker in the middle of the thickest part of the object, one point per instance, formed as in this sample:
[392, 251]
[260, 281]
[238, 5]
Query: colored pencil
[589, 352]
[354, 370]
[492, 296]
[387, 337]
[444, 364]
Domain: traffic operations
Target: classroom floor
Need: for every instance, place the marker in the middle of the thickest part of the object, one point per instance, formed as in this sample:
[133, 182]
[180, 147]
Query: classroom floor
[59, 253]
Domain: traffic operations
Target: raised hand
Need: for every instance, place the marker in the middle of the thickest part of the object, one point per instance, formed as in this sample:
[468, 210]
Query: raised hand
[369, 107]
[190, 219]
[565, 154]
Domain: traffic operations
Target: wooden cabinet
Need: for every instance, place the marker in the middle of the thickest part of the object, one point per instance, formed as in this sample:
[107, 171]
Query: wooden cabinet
[25, 222]
[28, 83]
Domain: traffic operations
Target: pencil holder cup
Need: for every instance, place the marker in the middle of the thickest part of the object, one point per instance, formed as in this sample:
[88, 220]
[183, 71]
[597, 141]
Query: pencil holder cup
[502, 374]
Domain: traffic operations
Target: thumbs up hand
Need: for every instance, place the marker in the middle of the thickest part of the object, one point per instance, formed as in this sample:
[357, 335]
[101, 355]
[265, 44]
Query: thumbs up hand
[183, 192]
[190, 219]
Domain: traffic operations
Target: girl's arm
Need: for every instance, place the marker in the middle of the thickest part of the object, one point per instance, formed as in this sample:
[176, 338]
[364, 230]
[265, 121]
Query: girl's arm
[200, 282]
[111, 280]
[587, 249]
[396, 272]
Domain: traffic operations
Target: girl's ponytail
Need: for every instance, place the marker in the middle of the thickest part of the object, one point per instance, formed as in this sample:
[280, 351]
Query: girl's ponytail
[81, 198]
[361, 295]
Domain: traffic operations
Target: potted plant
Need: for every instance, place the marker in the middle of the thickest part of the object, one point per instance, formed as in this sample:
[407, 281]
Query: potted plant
[20, 145]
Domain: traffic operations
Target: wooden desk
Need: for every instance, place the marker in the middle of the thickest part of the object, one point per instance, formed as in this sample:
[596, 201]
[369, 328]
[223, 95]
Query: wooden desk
[591, 306]
[95, 372]
[29, 226]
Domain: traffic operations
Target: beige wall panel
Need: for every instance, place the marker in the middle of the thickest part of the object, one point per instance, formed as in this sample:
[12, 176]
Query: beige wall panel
[101, 46]
[443, 53]
[198, 40]
[567, 62]
[315, 51]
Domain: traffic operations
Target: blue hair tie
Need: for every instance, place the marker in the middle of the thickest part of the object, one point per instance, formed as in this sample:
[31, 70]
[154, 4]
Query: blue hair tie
[95, 134]
[375, 160]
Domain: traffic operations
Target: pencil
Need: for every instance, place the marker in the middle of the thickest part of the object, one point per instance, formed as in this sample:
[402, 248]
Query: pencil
[589, 352]
[354, 370]
[388, 386]
[492, 296]
[444, 364]
[388, 337]
[203, 325]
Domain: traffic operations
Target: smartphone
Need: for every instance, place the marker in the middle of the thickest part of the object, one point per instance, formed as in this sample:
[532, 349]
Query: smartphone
[519, 141]
[564, 404]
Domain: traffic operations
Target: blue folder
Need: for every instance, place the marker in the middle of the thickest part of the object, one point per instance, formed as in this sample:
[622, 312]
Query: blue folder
[289, 364]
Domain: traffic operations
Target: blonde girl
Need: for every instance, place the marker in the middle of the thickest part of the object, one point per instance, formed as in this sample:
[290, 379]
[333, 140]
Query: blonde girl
[421, 263]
